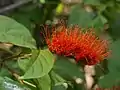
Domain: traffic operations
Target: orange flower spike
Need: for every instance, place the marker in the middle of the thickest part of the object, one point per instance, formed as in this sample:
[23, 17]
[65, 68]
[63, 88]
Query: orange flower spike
[93, 49]
[82, 46]
[63, 41]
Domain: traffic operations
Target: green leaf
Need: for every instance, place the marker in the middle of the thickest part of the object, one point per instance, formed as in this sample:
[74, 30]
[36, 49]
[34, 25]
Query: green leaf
[12, 64]
[59, 8]
[114, 58]
[56, 79]
[77, 86]
[23, 63]
[4, 72]
[58, 82]
[80, 16]
[101, 8]
[110, 80]
[86, 19]
[114, 25]
[15, 33]
[27, 13]
[44, 83]
[59, 87]
[8, 84]
[40, 65]
[27, 62]
[67, 69]
[92, 2]
[42, 1]
[101, 69]
[99, 22]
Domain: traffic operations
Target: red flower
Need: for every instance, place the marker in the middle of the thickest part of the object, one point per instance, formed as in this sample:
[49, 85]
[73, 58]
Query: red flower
[64, 42]
[83, 46]
[93, 49]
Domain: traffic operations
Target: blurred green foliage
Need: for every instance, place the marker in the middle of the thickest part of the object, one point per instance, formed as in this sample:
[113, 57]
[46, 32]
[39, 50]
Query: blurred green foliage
[31, 66]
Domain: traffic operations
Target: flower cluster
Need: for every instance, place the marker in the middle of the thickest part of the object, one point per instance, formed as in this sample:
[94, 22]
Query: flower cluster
[83, 46]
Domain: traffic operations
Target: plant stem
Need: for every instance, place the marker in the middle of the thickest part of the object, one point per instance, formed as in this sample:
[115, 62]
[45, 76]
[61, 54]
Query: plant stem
[17, 77]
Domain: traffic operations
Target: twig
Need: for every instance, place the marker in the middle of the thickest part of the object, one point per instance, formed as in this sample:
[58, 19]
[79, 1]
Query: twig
[13, 73]
[17, 77]
[17, 56]
[29, 83]
[13, 6]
